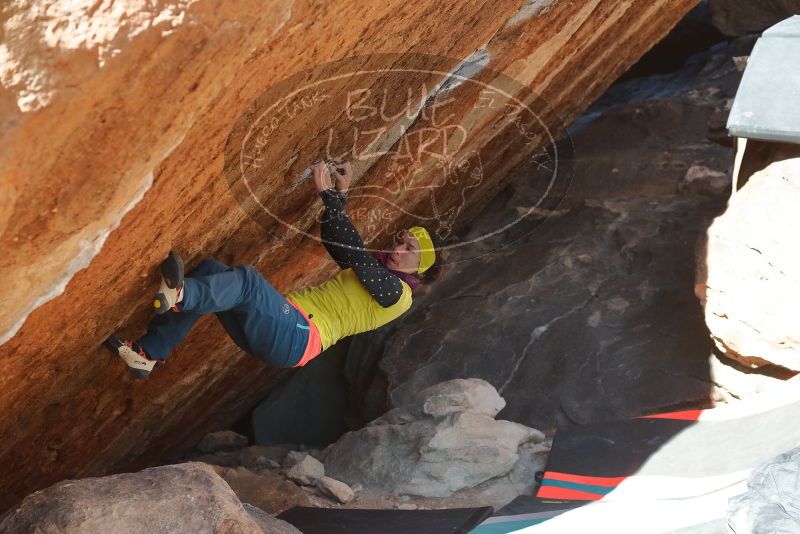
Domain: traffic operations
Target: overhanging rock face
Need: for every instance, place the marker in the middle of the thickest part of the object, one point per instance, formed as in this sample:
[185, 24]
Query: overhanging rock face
[128, 133]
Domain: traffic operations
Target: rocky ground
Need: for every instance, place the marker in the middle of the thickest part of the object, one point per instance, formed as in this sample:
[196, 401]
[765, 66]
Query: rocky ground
[445, 449]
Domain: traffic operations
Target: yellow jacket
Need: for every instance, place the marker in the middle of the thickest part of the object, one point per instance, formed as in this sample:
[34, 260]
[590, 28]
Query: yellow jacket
[341, 307]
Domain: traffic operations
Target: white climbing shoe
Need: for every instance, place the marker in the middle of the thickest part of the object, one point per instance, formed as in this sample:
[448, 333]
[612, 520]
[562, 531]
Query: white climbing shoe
[171, 283]
[133, 355]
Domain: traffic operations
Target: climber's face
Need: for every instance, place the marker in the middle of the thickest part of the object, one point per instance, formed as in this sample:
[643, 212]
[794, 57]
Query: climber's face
[405, 254]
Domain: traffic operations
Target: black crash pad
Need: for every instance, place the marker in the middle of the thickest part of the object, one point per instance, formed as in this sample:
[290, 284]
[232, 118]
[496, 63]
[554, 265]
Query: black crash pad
[357, 521]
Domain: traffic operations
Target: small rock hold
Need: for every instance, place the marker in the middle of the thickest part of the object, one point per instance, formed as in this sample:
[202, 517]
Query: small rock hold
[307, 471]
[336, 489]
[740, 62]
[702, 180]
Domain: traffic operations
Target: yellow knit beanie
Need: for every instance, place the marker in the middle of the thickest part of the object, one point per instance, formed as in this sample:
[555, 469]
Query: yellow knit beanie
[427, 255]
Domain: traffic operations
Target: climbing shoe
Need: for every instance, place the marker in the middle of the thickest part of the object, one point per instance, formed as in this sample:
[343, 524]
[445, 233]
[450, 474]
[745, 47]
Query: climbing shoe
[133, 355]
[171, 283]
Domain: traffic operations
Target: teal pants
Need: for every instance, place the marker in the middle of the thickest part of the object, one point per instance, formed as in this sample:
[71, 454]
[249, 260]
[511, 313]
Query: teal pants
[257, 317]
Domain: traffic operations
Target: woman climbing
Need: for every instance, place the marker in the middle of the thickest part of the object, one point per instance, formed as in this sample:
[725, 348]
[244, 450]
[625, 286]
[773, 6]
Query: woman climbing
[288, 330]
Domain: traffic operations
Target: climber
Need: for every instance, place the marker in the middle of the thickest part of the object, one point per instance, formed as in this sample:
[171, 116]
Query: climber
[288, 330]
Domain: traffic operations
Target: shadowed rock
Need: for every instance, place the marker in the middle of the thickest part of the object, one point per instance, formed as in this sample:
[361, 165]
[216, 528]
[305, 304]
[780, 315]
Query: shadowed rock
[738, 17]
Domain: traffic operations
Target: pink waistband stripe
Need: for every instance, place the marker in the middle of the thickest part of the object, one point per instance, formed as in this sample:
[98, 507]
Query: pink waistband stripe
[314, 345]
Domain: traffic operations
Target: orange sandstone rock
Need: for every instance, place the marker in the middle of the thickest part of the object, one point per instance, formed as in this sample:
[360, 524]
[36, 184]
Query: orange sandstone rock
[115, 122]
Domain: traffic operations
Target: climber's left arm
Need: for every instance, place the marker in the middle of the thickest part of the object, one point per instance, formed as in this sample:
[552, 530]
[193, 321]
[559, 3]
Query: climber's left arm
[344, 244]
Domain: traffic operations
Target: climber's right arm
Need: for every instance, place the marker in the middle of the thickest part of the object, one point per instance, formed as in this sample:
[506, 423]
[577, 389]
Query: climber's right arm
[344, 244]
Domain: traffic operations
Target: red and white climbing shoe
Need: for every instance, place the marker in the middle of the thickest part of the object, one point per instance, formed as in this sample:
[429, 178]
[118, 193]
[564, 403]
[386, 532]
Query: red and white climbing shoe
[133, 355]
[171, 284]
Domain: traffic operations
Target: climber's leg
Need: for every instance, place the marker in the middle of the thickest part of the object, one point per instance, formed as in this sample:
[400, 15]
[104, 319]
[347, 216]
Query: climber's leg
[258, 318]
[272, 328]
[165, 332]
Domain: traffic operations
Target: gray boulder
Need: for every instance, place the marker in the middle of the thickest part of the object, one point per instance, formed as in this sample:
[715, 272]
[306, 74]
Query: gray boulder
[307, 471]
[414, 452]
[185, 498]
[772, 501]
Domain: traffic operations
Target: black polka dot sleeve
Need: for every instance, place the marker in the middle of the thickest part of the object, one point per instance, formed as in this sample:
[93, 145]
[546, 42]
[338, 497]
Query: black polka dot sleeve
[344, 244]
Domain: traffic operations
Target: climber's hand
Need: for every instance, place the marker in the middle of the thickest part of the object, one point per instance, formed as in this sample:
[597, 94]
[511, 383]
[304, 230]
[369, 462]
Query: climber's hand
[343, 174]
[322, 176]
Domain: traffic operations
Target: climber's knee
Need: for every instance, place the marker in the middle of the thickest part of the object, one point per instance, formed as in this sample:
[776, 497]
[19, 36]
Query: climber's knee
[250, 272]
[209, 266]
[255, 283]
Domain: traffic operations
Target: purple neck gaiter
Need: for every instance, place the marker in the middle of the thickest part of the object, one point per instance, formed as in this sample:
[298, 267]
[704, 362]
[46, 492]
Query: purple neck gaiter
[410, 279]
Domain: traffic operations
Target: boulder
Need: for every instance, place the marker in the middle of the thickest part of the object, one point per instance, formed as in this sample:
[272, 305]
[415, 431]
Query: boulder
[738, 17]
[432, 455]
[307, 471]
[772, 501]
[749, 267]
[225, 440]
[184, 498]
[498, 492]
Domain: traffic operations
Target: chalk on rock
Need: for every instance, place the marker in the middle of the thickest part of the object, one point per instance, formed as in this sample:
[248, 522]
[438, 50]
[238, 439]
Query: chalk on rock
[223, 440]
[336, 489]
[307, 471]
